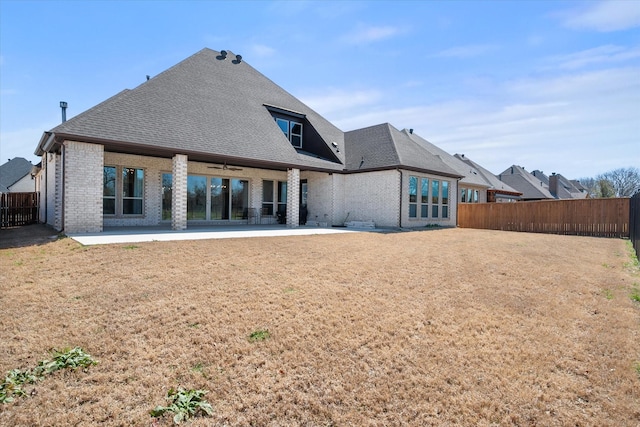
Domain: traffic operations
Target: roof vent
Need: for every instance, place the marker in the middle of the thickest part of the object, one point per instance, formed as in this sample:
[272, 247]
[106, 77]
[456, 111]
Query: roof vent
[238, 59]
[222, 56]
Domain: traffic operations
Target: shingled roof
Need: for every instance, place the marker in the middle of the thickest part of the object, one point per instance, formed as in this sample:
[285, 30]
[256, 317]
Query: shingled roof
[13, 171]
[530, 186]
[491, 180]
[383, 146]
[208, 107]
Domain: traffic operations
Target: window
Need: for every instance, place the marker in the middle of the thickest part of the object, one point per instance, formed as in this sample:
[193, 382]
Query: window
[469, 195]
[167, 191]
[219, 198]
[109, 190]
[435, 198]
[239, 198]
[226, 198]
[132, 191]
[413, 196]
[267, 198]
[424, 199]
[292, 130]
[282, 197]
[429, 197]
[445, 199]
[196, 197]
[122, 194]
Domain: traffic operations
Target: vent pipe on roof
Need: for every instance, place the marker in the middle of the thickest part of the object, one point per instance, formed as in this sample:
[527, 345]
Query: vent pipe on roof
[63, 106]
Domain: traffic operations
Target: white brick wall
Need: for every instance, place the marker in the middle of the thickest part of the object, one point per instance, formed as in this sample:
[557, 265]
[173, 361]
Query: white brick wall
[372, 196]
[319, 196]
[293, 197]
[82, 187]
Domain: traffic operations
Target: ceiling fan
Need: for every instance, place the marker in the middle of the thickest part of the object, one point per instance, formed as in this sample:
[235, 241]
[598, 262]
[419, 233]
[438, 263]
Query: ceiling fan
[225, 167]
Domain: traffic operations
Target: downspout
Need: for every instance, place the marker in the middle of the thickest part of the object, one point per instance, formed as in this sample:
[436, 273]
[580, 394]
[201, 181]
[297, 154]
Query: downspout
[401, 192]
[62, 184]
[457, 194]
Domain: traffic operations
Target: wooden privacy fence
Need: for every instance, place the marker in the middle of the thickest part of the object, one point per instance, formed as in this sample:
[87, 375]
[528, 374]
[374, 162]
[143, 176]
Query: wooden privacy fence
[18, 209]
[587, 217]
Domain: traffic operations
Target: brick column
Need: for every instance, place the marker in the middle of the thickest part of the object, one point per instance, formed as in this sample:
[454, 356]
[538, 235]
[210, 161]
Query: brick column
[179, 193]
[83, 182]
[293, 198]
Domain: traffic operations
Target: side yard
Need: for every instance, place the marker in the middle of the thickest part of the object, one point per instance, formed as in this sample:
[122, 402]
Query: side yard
[440, 327]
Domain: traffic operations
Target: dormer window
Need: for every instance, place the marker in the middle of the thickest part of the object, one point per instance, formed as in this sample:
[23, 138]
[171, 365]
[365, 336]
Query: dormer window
[292, 130]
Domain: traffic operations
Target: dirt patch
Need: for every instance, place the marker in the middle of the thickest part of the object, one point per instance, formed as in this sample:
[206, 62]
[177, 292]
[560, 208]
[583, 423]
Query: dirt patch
[27, 235]
[447, 327]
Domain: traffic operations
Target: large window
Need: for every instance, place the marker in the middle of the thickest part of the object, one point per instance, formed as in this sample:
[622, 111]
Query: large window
[428, 198]
[196, 197]
[122, 194]
[292, 130]
[225, 199]
[132, 191]
[239, 198]
[219, 198]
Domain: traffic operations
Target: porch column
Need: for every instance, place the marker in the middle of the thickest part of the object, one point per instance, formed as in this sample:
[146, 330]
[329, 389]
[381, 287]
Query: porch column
[293, 197]
[179, 193]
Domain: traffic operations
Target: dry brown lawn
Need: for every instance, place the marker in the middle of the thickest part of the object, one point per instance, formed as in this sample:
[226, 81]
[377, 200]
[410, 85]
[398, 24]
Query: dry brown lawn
[444, 327]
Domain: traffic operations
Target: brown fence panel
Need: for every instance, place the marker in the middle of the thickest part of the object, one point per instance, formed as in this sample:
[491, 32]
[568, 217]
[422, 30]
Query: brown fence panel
[588, 217]
[18, 209]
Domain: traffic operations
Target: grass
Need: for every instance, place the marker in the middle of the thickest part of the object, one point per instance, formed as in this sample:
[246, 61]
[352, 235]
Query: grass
[459, 327]
[608, 294]
[635, 293]
[259, 335]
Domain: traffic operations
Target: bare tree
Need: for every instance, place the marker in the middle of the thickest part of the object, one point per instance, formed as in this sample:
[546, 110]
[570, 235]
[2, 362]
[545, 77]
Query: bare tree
[624, 182]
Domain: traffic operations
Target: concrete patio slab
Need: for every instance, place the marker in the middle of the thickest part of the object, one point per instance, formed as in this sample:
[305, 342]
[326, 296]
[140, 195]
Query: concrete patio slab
[152, 234]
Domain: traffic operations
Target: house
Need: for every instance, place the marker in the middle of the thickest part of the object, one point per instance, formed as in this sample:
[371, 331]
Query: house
[213, 141]
[561, 187]
[17, 176]
[532, 188]
[498, 191]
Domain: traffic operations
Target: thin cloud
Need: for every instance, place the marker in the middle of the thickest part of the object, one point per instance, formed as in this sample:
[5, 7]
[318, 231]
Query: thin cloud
[370, 34]
[336, 101]
[469, 51]
[261, 50]
[599, 55]
[605, 16]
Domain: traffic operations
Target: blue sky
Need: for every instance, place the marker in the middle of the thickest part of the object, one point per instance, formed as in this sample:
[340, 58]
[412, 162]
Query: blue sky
[548, 85]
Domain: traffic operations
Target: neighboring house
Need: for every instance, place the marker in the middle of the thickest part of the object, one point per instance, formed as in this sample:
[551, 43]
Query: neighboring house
[17, 176]
[531, 187]
[563, 188]
[560, 187]
[498, 191]
[212, 141]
